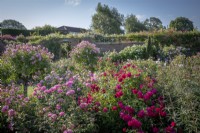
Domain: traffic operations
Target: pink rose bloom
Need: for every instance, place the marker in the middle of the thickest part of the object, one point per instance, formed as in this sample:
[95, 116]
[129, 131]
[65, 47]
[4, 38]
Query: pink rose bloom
[58, 107]
[83, 105]
[69, 83]
[5, 108]
[43, 88]
[70, 92]
[105, 109]
[68, 131]
[59, 91]
[62, 113]
[53, 117]
[50, 114]
[11, 112]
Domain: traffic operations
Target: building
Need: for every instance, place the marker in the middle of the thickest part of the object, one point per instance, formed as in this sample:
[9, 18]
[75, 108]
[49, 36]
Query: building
[72, 30]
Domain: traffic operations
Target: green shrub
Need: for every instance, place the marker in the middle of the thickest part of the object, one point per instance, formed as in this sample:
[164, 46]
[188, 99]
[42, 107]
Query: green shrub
[167, 53]
[7, 72]
[53, 42]
[149, 66]
[61, 66]
[21, 39]
[130, 52]
[45, 30]
[179, 83]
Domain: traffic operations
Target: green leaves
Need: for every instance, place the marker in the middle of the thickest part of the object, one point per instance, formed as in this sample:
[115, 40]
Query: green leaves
[182, 24]
[107, 20]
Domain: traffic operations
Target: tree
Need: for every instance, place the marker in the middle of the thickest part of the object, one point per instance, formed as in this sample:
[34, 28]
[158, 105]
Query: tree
[107, 20]
[45, 30]
[153, 23]
[181, 24]
[12, 24]
[132, 24]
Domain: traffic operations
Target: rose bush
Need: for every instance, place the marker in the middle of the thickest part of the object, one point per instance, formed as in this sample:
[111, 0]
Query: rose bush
[85, 55]
[29, 62]
[15, 111]
[58, 105]
[128, 100]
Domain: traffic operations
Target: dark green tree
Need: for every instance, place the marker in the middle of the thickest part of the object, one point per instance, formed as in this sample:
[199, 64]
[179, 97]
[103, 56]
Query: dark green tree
[182, 24]
[12, 24]
[45, 30]
[107, 20]
[132, 24]
[153, 23]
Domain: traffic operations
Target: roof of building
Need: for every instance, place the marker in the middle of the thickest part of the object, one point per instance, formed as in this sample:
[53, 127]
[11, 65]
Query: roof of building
[71, 29]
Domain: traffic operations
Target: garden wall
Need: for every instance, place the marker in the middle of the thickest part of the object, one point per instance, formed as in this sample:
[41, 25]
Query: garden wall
[105, 47]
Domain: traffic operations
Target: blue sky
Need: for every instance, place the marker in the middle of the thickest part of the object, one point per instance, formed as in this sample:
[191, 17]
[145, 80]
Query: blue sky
[78, 13]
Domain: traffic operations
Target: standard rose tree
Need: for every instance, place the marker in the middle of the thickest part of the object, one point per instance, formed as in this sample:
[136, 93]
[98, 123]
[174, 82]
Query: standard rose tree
[29, 62]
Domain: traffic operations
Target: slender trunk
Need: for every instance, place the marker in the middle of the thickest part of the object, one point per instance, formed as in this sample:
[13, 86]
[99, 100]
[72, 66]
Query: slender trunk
[25, 89]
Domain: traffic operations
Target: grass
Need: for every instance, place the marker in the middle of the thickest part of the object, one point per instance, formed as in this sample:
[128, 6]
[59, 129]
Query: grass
[30, 90]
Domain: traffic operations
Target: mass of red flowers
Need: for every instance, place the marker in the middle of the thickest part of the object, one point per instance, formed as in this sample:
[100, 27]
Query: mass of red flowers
[137, 101]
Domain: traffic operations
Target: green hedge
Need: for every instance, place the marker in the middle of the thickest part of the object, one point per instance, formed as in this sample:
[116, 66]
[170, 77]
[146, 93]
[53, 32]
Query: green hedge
[185, 39]
[54, 44]
[16, 32]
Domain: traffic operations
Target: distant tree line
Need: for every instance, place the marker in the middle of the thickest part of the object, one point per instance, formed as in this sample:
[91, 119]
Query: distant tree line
[108, 20]
[15, 28]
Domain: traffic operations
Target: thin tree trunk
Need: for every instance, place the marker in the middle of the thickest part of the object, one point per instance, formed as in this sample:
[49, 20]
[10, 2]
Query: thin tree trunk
[25, 89]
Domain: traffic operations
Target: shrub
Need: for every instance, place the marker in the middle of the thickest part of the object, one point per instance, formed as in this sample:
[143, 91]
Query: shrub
[45, 30]
[85, 55]
[53, 42]
[7, 72]
[126, 100]
[58, 105]
[29, 62]
[179, 83]
[17, 112]
[130, 52]
[8, 37]
[21, 38]
[148, 66]
[168, 53]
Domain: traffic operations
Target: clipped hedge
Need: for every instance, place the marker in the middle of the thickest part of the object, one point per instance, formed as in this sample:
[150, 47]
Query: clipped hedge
[16, 32]
[184, 39]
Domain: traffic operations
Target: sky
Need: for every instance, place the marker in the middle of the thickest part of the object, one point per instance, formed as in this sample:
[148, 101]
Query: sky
[78, 13]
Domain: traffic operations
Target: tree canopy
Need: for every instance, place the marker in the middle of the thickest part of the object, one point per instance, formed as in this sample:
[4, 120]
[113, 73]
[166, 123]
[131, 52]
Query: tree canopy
[182, 24]
[12, 24]
[107, 20]
[132, 24]
[153, 23]
[45, 30]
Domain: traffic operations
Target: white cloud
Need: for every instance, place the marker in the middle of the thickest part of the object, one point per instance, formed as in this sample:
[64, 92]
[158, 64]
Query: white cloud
[141, 17]
[73, 2]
